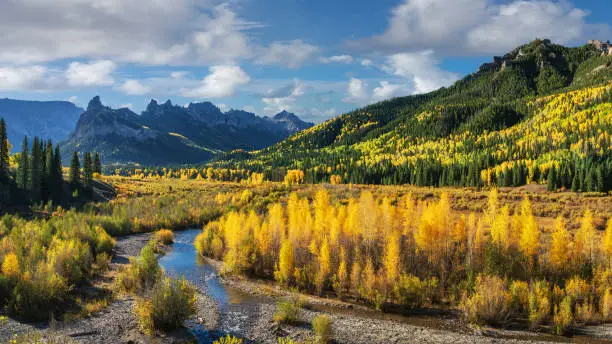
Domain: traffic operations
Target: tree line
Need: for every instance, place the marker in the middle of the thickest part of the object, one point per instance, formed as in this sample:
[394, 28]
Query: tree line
[36, 173]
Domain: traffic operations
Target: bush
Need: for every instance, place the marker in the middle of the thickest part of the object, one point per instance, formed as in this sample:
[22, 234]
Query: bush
[490, 301]
[172, 302]
[287, 311]
[409, 291]
[142, 272]
[164, 236]
[519, 290]
[228, 340]
[563, 316]
[539, 302]
[322, 326]
[606, 305]
[586, 312]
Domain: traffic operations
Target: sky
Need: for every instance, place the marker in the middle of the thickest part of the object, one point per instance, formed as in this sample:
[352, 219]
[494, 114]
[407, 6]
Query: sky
[315, 58]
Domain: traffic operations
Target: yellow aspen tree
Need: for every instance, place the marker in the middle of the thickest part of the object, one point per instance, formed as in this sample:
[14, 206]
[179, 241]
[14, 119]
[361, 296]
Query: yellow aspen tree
[321, 210]
[342, 277]
[500, 228]
[560, 246]
[585, 237]
[392, 260]
[368, 213]
[324, 261]
[284, 269]
[276, 223]
[530, 235]
[336, 220]
[387, 217]
[353, 223]
[10, 266]
[606, 245]
[408, 214]
[293, 216]
[493, 205]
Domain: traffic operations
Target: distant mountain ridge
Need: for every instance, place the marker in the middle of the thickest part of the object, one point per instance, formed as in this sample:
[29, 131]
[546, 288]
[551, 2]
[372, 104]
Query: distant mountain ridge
[53, 120]
[170, 134]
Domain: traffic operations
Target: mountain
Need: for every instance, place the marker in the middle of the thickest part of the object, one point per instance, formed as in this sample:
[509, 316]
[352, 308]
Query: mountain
[170, 134]
[47, 119]
[540, 112]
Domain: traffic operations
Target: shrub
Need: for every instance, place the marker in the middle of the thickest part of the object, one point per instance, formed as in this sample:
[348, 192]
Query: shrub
[577, 288]
[228, 340]
[104, 242]
[172, 302]
[586, 312]
[519, 290]
[563, 316]
[287, 311]
[539, 302]
[286, 340]
[606, 305]
[409, 291]
[102, 263]
[164, 236]
[490, 301]
[322, 326]
[10, 266]
[142, 272]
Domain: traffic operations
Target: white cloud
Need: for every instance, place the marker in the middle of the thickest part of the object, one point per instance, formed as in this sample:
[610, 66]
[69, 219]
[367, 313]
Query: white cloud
[134, 88]
[126, 106]
[462, 27]
[387, 90]
[283, 98]
[318, 115]
[366, 62]
[23, 78]
[347, 59]
[158, 32]
[221, 82]
[291, 54]
[517, 22]
[357, 92]
[223, 107]
[178, 74]
[96, 73]
[73, 99]
[422, 68]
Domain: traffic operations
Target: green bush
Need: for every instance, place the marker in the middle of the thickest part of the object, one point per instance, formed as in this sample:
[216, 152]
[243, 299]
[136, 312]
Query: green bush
[172, 302]
[287, 311]
[563, 316]
[322, 325]
[142, 272]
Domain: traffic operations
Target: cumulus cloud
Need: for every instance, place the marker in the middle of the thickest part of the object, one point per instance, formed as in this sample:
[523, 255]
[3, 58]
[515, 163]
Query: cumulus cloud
[134, 88]
[23, 78]
[387, 90]
[221, 82]
[96, 73]
[462, 27]
[347, 59]
[357, 92]
[291, 54]
[160, 32]
[422, 68]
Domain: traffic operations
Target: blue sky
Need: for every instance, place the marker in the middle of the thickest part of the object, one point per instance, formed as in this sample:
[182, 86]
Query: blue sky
[315, 58]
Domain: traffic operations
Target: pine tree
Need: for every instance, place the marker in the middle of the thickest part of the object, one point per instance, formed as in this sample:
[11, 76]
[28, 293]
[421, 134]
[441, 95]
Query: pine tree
[75, 171]
[50, 170]
[23, 168]
[552, 179]
[35, 173]
[59, 173]
[88, 172]
[97, 163]
[4, 151]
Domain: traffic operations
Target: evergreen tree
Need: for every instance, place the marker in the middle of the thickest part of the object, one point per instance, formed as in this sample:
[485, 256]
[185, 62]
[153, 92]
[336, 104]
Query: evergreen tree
[59, 174]
[4, 151]
[35, 173]
[97, 164]
[50, 170]
[575, 183]
[552, 184]
[23, 168]
[75, 171]
[88, 172]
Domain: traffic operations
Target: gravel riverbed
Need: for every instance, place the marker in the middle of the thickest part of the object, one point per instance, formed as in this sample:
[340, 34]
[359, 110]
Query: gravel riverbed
[252, 319]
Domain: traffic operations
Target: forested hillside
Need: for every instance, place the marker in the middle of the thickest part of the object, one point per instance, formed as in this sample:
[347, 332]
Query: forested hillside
[541, 113]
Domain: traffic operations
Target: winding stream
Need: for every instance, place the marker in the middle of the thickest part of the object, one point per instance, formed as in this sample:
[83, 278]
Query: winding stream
[234, 307]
